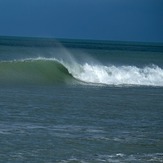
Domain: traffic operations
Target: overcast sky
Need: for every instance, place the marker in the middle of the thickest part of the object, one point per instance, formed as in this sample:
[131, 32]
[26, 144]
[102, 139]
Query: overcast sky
[122, 20]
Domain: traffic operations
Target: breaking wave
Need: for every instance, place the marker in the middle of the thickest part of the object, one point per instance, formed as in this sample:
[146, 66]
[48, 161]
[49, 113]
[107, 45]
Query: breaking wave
[122, 75]
[34, 71]
[51, 70]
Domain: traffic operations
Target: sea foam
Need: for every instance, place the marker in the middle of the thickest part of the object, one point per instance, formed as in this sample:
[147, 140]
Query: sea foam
[52, 69]
[119, 75]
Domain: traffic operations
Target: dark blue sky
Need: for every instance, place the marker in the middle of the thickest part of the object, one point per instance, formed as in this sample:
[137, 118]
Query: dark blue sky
[124, 20]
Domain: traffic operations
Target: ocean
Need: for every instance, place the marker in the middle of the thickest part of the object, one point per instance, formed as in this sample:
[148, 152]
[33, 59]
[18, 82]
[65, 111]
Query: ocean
[80, 101]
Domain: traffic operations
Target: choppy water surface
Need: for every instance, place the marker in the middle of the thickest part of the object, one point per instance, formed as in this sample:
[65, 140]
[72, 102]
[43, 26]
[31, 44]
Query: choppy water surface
[80, 101]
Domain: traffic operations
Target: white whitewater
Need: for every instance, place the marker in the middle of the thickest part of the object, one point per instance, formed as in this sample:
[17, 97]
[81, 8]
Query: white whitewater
[110, 75]
[118, 75]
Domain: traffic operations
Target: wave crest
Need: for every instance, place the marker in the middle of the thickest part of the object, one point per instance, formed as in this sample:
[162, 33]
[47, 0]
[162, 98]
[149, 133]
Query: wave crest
[51, 70]
[34, 71]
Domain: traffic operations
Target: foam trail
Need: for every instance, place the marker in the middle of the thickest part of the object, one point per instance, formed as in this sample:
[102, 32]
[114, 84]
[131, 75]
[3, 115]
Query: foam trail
[120, 75]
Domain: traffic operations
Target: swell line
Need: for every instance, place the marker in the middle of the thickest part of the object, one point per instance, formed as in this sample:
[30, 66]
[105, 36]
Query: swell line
[34, 71]
[52, 71]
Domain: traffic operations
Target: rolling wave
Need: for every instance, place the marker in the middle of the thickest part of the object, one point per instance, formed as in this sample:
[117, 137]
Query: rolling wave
[34, 71]
[51, 70]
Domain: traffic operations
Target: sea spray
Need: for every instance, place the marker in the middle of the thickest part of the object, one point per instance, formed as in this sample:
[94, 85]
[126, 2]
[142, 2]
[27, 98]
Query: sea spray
[89, 122]
[52, 70]
[121, 75]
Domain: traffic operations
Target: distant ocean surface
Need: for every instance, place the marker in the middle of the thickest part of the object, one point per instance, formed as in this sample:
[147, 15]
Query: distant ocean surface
[80, 101]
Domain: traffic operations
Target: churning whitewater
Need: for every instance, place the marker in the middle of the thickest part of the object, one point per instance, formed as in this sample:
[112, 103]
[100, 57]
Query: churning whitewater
[52, 70]
[122, 75]
[80, 101]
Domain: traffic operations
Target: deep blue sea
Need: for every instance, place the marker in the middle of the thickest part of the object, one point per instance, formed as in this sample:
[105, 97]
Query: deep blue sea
[80, 101]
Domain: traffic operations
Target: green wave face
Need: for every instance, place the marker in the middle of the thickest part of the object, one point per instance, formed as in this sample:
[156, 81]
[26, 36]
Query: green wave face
[34, 72]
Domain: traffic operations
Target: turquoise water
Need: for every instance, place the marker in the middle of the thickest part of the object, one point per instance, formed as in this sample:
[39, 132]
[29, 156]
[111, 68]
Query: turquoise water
[80, 101]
